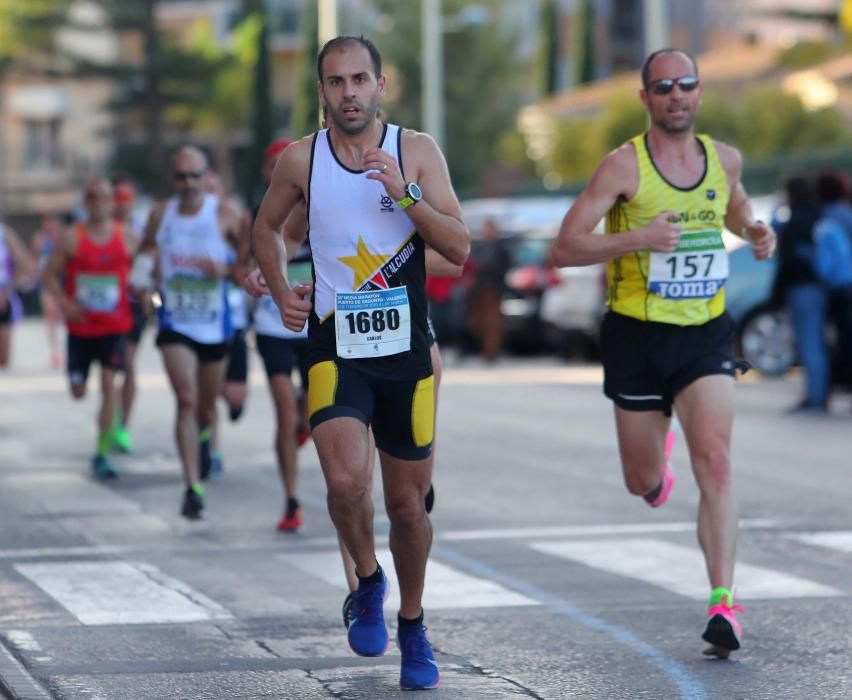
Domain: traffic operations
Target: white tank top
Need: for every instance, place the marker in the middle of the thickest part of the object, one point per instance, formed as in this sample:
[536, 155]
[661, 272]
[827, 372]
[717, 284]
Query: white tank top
[356, 230]
[193, 305]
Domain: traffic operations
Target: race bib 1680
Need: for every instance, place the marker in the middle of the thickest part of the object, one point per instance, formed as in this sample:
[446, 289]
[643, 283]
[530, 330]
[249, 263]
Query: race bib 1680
[372, 323]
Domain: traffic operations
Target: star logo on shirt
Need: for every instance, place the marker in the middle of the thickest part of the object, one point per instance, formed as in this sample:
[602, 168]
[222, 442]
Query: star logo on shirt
[364, 264]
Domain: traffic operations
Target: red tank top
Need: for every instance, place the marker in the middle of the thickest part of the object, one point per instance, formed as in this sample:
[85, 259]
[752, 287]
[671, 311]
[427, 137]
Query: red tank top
[96, 278]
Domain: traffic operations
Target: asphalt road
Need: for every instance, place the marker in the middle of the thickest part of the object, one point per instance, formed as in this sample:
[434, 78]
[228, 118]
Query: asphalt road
[547, 579]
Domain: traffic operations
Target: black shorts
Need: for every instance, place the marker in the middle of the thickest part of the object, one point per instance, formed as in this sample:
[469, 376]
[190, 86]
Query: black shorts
[283, 355]
[6, 314]
[108, 350]
[647, 364]
[205, 352]
[401, 413]
[237, 370]
[140, 320]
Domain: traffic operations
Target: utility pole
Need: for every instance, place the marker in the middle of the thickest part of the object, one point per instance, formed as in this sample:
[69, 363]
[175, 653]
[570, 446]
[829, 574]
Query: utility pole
[432, 65]
[655, 25]
[327, 20]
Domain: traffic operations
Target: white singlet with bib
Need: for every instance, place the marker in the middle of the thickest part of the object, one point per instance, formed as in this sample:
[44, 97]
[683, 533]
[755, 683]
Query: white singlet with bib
[193, 305]
[360, 239]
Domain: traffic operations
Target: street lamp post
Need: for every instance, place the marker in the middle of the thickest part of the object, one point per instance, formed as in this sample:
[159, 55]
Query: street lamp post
[655, 23]
[432, 95]
[327, 24]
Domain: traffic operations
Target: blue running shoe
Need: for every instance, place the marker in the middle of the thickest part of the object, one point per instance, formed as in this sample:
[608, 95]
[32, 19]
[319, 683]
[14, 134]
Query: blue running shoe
[103, 468]
[368, 633]
[419, 669]
[347, 609]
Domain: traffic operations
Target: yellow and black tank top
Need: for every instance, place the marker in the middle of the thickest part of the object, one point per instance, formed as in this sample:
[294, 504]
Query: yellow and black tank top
[685, 288]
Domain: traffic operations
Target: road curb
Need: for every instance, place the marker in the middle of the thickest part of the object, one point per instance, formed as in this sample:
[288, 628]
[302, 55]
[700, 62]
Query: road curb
[15, 682]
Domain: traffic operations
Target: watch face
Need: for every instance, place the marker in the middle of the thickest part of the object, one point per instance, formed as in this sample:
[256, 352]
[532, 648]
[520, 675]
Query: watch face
[414, 191]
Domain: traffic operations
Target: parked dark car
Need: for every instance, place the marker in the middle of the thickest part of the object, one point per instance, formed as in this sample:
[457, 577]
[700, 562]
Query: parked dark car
[530, 276]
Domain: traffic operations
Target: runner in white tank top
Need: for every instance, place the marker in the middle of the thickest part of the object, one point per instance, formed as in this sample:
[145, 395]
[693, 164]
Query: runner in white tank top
[187, 233]
[375, 195]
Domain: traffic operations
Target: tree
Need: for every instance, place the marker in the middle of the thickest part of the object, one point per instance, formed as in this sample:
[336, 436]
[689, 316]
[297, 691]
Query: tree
[764, 122]
[306, 109]
[482, 83]
[585, 42]
[26, 28]
[168, 85]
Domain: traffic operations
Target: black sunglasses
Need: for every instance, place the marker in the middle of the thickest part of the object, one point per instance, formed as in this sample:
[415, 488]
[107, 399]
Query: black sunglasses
[687, 83]
[187, 175]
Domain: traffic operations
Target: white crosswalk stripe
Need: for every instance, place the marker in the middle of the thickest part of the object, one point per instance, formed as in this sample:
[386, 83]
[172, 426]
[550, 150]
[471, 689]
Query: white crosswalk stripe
[132, 592]
[838, 540]
[679, 569]
[446, 587]
[121, 593]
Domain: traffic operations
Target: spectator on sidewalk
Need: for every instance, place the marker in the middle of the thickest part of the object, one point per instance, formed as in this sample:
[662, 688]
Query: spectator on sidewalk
[798, 288]
[491, 262]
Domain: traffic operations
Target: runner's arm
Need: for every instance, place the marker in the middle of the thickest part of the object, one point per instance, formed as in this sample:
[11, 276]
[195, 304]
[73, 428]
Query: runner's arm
[440, 222]
[245, 262]
[295, 231]
[63, 251]
[149, 239]
[739, 218]
[576, 244]
[437, 217]
[230, 224]
[26, 269]
[143, 270]
[282, 196]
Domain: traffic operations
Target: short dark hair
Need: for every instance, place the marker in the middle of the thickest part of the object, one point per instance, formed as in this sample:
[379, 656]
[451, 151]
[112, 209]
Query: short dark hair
[339, 42]
[646, 67]
[831, 187]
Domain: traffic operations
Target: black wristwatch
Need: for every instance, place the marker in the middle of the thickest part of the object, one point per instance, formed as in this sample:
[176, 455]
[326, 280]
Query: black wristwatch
[413, 194]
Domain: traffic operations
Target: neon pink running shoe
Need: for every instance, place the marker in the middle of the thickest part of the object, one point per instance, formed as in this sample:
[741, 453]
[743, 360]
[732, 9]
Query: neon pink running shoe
[723, 632]
[668, 476]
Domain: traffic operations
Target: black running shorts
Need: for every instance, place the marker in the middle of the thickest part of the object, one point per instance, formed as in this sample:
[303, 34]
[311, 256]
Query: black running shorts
[237, 370]
[283, 355]
[401, 413]
[646, 364]
[205, 352]
[107, 350]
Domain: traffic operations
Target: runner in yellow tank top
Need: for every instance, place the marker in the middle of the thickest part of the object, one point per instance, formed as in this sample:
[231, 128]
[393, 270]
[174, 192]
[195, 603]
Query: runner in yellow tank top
[666, 341]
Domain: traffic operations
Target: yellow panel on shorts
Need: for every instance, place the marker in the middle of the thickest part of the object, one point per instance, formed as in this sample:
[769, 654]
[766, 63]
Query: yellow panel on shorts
[423, 412]
[322, 386]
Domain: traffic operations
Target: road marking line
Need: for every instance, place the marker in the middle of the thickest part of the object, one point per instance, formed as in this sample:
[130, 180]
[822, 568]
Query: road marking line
[689, 686]
[121, 593]
[590, 530]
[15, 680]
[839, 540]
[24, 640]
[680, 569]
[446, 588]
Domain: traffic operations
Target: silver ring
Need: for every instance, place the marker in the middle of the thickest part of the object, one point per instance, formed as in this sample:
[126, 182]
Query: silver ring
[384, 166]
